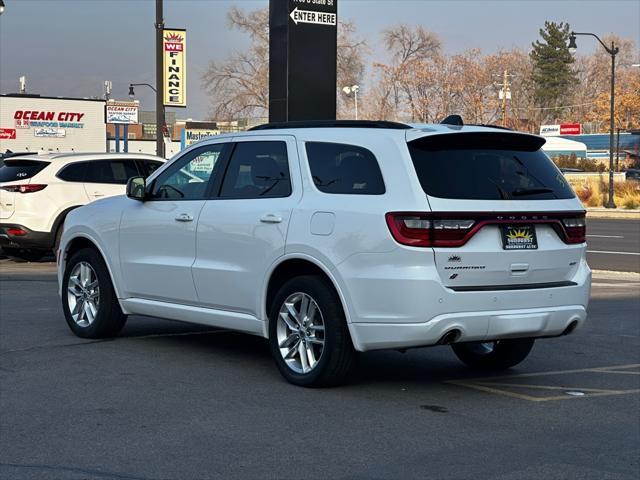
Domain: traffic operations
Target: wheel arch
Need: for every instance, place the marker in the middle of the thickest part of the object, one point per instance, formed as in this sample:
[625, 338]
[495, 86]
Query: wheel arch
[59, 222]
[296, 265]
[79, 242]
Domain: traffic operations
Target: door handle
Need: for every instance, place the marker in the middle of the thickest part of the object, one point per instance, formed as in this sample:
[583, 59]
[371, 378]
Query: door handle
[184, 217]
[271, 218]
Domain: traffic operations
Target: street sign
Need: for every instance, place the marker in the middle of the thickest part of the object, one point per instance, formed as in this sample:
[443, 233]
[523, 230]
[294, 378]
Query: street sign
[309, 16]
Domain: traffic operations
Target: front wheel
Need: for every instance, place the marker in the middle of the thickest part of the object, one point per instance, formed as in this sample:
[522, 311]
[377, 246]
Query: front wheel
[496, 355]
[88, 299]
[308, 333]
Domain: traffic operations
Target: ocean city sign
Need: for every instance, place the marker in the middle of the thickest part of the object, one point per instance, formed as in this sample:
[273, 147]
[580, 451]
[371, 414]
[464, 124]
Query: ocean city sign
[174, 48]
[47, 119]
[121, 112]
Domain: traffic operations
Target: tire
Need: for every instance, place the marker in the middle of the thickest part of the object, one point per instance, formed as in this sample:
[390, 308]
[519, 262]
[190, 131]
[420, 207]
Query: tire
[27, 255]
[496, 355]
[325, 334]
[106, 318]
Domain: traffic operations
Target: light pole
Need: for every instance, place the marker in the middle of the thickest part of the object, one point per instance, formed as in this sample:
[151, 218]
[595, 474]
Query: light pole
[159, 78]
[613, 51]
[159, 128]
[353, 89]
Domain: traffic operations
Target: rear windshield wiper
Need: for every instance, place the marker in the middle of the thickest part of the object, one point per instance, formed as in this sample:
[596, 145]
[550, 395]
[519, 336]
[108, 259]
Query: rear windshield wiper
[531, 191]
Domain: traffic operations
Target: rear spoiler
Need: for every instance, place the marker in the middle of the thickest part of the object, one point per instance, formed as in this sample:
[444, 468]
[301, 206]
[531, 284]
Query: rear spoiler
[435, 139]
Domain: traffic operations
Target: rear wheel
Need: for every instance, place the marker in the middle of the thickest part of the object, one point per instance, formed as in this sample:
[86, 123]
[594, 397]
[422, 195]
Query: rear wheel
[308, 333]
[88, 299]
[496, 355]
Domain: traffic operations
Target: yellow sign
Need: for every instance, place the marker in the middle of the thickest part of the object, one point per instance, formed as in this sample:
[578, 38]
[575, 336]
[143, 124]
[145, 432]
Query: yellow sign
[174, 47]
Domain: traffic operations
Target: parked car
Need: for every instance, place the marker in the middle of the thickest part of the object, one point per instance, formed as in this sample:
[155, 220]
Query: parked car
[38, 191]
[331, 238]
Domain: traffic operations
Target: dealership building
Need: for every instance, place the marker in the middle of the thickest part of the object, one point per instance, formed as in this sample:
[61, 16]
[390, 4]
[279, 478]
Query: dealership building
[36, 123]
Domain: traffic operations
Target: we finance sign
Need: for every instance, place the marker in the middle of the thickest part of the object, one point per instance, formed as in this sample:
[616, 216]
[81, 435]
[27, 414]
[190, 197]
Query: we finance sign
[174, 48]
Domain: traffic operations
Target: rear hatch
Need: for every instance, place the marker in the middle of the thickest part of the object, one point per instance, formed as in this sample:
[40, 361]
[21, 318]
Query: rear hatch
[502, 215]
[13, 173]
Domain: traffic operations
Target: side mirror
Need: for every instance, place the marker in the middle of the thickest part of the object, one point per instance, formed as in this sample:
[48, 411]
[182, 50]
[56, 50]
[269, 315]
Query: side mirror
[136, 188]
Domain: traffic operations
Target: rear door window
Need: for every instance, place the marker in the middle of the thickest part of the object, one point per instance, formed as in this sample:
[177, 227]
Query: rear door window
[257, 170]
[346, 169]
[15, 170]
[111, 171]
[487, 166]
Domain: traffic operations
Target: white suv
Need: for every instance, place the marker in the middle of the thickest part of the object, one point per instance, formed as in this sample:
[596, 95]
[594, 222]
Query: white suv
[38, 191]
[331, 238]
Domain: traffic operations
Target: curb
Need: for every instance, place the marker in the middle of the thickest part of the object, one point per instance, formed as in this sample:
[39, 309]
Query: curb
[615, 275]
[617, 213]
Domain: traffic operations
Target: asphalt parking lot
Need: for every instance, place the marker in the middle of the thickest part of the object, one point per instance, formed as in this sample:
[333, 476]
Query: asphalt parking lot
[167, 400]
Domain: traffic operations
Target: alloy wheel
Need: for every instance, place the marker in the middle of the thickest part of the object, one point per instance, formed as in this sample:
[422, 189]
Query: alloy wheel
[83, 294]
[300, 332]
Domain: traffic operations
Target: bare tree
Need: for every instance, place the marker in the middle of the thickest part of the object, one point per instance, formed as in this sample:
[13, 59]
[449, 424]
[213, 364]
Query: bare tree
[238, 86]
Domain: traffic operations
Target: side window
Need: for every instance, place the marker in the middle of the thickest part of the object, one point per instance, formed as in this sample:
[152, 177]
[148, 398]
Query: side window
[110, 171]
[74, 172]
[149, 166]
[187, 178]
[339, 168]
[257, 170]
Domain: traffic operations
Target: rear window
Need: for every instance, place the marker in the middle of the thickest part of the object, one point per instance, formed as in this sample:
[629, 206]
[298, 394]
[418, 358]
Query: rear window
[13, 170]
[487, 166]
[346, 169]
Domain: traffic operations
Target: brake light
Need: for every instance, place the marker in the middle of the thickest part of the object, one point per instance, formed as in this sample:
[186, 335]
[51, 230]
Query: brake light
[576, 229]
[28, 188]
[419, 230]
[16, 232]
[454, 229]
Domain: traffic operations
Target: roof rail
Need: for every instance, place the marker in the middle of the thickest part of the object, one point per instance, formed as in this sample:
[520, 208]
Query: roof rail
[333, 123]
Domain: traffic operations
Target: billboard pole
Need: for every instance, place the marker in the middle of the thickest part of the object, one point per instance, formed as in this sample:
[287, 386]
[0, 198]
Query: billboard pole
[159, 81]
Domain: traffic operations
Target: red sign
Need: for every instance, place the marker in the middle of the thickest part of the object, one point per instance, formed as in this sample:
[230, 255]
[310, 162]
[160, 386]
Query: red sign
[173, 43]
[7, 133]
[47, 116]
[570, 129]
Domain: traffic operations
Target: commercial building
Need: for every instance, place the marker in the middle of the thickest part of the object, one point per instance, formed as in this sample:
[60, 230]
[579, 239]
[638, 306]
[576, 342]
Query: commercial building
[36, 123]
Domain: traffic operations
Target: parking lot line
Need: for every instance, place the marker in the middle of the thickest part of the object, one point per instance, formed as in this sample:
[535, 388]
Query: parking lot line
[497, 386]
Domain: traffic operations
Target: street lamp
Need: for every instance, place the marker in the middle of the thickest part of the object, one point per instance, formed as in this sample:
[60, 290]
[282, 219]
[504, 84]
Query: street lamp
[132, 93]
[353, 89]
[1, 7]
[613, 51]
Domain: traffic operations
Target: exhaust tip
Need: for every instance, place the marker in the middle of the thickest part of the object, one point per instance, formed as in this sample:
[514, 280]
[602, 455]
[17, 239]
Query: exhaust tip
[450, 337]
[570, 328]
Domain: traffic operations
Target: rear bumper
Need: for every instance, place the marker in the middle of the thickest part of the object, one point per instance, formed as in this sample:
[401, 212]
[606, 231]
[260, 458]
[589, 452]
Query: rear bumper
[470, 326]
[31, 239]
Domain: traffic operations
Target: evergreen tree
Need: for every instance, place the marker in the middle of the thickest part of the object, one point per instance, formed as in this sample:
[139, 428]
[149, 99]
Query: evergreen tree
[553, 76]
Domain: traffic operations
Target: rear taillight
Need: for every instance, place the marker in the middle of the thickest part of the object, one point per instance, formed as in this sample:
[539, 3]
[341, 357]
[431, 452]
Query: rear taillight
[28, 188]
[16, 232]
[576, 229]
[420, 230]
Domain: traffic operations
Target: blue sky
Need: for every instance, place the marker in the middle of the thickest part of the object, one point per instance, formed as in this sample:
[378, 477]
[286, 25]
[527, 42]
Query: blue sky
[69, 47]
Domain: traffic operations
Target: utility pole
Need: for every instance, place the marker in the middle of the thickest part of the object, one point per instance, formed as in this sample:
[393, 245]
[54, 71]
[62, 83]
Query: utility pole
[504, 95]
[159, 81]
